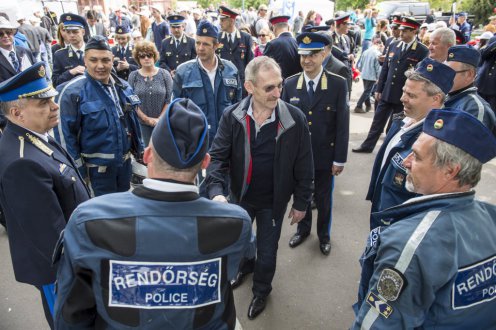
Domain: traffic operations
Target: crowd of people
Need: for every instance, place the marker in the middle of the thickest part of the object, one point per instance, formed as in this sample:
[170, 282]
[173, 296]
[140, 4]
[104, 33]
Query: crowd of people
[236, 115]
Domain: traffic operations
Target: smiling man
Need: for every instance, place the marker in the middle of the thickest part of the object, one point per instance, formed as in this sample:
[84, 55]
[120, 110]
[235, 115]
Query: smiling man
[98, 124]
[39, 182]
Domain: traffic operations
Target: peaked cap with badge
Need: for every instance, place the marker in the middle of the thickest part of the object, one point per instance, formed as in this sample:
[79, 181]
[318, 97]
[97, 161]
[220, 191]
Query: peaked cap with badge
[343, 19]
[122, 30]
[279, 19]
[227, 12]
[409, 23]
[175, 20]
[30, 83]
[311, 42]
[314, 28]
[72, 21]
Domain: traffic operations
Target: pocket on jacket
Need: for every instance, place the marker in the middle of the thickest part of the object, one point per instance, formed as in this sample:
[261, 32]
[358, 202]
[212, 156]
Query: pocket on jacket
[94, 116]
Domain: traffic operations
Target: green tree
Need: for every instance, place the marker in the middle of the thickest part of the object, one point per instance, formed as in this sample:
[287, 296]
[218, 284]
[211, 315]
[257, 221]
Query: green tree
[248, 3]
[351, 4]
[481, 9]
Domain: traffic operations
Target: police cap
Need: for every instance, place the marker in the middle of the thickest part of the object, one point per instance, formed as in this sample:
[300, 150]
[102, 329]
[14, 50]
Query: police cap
[207, 29]
[175, 20]
[72, 21]
[30, 83]
[409, 23]
[438, 73]
[311, 42]
[465, 54]
[181, 135]
[227, 12]
[461, 129]
[121, 30]
[98, 43]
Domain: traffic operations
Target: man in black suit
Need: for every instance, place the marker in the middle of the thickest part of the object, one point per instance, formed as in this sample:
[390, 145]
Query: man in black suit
[283, 49]
[403, 55]
[68, 62]
[323, 97]
[124, 62]
[13, 59]
[235, 45]
[177, 48]
[40, 185]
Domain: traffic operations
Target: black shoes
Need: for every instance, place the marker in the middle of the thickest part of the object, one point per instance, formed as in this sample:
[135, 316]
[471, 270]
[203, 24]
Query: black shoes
[325, 248]
[363, 150]
[297, 239]
[238, 280]
[359, 110]
[257, 306]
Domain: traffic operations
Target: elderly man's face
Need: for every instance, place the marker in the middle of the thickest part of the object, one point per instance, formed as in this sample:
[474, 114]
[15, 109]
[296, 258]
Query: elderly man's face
[7, 38]
[437, 49]
[463, 76]
[266, 90]
[423, 177]
[37, 115]
[98, 64]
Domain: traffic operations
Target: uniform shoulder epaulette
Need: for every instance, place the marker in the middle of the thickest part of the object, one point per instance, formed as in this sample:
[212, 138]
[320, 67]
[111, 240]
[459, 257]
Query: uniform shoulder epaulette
[168, 37]
[334, 74]
[296, 74]
[58, 50]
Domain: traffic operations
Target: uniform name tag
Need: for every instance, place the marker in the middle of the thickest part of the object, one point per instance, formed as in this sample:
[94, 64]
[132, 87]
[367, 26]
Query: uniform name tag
[160, 285]
[398, 160]
[230, 82]
[475, 284]
[134, 99]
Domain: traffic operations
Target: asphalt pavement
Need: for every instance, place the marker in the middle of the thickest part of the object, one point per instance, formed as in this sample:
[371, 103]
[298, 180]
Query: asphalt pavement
[310, 291]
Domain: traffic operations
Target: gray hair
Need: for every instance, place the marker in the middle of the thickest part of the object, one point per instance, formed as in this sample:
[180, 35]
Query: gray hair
[6, 106]
[160, 165]
[429, 87]
[258, 64]
[446, 36]
[446, 154]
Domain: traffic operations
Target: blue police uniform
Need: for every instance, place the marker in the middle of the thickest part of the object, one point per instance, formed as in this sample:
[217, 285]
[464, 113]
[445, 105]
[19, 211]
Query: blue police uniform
[39, 188]
[466, 30]
[328, 120]
[160, 31]
[127, 54]
[435, 282]
[192, 82]
[486, 75]
[138, 281]
[172, 55]
[238, 51]
[390, 84]
[284, 50]
[67, 58]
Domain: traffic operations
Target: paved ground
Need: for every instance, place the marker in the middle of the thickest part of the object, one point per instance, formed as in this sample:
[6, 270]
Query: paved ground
[310, 291]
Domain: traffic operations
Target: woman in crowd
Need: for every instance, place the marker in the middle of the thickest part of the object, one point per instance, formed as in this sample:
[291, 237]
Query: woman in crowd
[381, 30]
[263, 38]
[62, 39]
[310, 19]
[152, 85]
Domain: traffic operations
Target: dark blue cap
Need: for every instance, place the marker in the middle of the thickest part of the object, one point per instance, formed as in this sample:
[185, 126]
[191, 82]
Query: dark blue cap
[311, 42]
[98, 42]
[72, 21]
[121, 29]
[465, 54]
[461, 129]
[207, 29]
[176, 19]
[464, 14]
[30, 83]
[314, 28]
[181, 135]
[438, 73]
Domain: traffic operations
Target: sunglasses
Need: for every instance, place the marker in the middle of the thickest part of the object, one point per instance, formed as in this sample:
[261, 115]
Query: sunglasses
[7, 33]
[145, 56]
[262, 35]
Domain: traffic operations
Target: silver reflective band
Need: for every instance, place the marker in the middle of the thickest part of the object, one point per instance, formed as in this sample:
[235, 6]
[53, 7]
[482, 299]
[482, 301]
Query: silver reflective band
[99, 155]
[369, 318]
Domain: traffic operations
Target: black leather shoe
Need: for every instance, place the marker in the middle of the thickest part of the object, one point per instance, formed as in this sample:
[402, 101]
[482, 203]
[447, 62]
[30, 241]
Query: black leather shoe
[257, 306]
[297, 239]
[362, 150]
[238, 279]
[325, 248]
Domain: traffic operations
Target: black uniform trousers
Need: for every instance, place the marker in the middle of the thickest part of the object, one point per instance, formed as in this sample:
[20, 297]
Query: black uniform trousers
[383, 112]
[324, 186]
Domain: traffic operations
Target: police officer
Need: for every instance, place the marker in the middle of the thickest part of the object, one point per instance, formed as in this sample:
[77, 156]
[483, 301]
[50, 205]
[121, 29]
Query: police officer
[124, 62]
[98, 125]
[116, 243]
[464, 60]
[342, 41]
[395, 31]
[465, 28]
[39, 182]
[434, 267]
[486, 76]
[403, 55]
[209, 81]
[178, 48]
[68, 62]
[323, 97]
[284, 48]
[235, 45]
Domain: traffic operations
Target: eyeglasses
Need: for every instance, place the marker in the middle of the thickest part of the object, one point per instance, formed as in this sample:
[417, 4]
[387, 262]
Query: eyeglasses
[145, 56]
[270, 88]
[7, 33]
[262, 35]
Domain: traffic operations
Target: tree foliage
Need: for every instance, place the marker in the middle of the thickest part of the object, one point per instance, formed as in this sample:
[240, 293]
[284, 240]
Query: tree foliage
[481, 9]
[248, 3]
[351, 4]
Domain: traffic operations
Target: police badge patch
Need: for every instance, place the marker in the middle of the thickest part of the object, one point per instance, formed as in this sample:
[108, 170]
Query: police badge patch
[398, 179]
[390, 284]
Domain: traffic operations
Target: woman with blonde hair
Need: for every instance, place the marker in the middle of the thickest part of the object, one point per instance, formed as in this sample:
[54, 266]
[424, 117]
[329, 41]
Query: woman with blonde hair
[310, 19]
[62, 39]
[264, 36]
[153, 86]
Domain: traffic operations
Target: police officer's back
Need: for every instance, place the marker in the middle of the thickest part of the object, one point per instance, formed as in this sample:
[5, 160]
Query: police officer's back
[159, 257]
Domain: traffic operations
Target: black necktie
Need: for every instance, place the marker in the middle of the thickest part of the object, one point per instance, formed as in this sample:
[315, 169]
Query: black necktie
[80, 57]
[311, 92]
[15, 62]
[229, 40]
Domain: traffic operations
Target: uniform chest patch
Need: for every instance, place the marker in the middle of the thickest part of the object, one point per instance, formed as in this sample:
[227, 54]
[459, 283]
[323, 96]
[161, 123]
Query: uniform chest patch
[390, 284]
[160, 285]
[475, 284]
[398, 160]
[232, 82]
